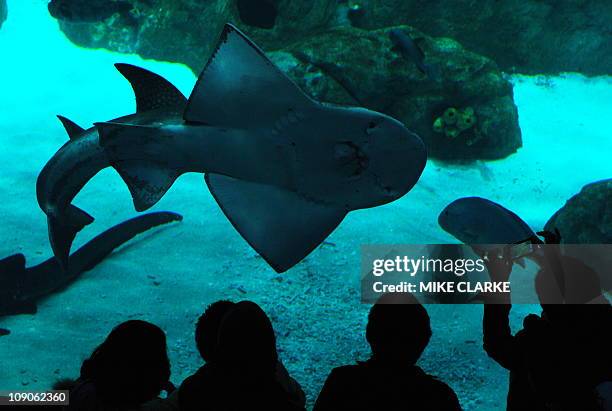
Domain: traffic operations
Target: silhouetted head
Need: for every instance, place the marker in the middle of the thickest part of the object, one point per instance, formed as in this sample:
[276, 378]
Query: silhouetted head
[574, 300]
[373, 158]
[207, 328]
[131, 366]
[247, 340]
[398, 328]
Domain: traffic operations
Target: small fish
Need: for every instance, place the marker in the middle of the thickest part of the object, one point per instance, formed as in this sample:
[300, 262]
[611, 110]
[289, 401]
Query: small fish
[485, 172]
[87, 11]
[409, 49]
[475, 220]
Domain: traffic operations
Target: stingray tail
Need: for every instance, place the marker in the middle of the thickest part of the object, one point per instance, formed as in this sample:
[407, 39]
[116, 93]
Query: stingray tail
[63, 229]
[11, 268]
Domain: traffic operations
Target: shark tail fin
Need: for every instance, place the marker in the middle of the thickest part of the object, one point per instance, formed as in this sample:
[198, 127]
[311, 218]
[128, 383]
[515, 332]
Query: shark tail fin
[147, 181]
[64, 228]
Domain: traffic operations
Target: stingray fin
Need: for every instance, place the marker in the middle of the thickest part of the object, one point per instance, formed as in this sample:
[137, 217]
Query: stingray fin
[280, 225]
[72, 128]
[241, 87]
[152, 91]
[147, 181]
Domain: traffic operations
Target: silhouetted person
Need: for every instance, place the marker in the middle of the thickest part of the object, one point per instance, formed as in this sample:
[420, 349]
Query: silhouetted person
[128, 369]
[242, 370]
[559, 358]
[398, 331]
[207, 328]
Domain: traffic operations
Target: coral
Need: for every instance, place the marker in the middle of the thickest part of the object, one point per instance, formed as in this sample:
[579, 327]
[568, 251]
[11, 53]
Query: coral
[451, 132]
[455, 121]
[438, 125]
[450, 116]
[466, 119]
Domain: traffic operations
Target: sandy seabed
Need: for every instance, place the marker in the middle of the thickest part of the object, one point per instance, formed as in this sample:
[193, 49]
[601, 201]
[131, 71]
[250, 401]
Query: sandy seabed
[168, 276]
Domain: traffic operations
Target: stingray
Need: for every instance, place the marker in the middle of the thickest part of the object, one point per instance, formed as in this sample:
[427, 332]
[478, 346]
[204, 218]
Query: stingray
[285, 169]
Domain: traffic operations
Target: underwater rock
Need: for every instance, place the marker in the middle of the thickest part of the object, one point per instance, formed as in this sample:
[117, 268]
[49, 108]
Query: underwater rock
[525, 36]
[88, 11]
[186, 31]
[3, 11]
[352, 66]
[586, 218]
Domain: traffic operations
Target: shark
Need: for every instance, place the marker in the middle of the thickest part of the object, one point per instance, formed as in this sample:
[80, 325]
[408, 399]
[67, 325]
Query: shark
[284, 169]
[82, 157]
[21, 287]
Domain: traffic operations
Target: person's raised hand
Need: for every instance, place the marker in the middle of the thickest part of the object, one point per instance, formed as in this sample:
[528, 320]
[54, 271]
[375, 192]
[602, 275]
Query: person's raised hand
[550, 237]
[499, 264]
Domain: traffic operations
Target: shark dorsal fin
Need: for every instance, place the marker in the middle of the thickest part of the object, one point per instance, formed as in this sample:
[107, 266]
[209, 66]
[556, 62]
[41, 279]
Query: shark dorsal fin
[280, 225]
[241, 87]
[72, 128]
[152, 91]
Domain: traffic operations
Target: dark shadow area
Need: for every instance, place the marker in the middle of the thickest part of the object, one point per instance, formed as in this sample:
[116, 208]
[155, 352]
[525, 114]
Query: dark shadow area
[398, 332]
[258, 13]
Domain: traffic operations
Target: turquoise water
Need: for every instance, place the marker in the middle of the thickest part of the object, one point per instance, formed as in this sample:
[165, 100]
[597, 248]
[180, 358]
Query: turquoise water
[168, 277]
